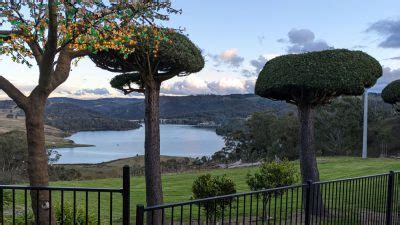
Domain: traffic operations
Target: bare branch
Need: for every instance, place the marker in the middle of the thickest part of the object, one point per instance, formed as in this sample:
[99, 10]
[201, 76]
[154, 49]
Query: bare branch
[14, 93]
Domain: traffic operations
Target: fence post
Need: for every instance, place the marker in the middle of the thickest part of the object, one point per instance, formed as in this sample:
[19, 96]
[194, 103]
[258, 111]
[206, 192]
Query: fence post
[389, 206]
[140, 215]
[126, 188]
[1, 207]
[307, 206]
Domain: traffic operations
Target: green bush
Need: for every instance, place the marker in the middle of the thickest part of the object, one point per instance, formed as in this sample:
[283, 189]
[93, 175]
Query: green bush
[69, 215]
[206, 186]
[273, 174]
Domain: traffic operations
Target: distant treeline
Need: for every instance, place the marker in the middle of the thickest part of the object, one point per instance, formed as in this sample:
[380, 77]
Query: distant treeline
[73, 118]
[338, 131]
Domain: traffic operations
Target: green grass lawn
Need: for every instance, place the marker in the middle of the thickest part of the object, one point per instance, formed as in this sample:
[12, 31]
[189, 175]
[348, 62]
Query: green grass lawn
[177, 187]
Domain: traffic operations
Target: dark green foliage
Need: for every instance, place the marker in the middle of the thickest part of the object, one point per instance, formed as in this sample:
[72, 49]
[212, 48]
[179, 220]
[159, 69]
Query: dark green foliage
[13, 156]
[206, 186]
[263, 135]
[315, 78]
[339, 127]
[272, 175]
[68, 214]
[176, 57]
[391, 93]
[57, 172]
[73, 118]
[80, 217]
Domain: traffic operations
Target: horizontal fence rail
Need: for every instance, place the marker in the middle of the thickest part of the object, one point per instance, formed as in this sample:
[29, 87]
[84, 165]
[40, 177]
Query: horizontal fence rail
[362, 200]
[69, 205]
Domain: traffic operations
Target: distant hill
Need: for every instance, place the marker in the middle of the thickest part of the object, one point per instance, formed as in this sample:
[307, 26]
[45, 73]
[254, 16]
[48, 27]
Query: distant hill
[72, 118]
[199, 108]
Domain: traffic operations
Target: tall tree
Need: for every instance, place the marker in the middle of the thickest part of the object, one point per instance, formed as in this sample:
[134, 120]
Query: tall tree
[312, 79]
[391, 94]
[143, 71]
[53, 34]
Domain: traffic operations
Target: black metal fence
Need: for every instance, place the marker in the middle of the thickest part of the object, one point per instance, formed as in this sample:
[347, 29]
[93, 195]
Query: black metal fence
[362, 200]
[66, 205]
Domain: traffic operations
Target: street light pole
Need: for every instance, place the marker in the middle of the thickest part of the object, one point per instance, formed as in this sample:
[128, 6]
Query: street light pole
[365, 125]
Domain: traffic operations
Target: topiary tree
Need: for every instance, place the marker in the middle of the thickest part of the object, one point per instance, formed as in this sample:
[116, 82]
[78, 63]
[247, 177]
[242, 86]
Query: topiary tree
[312, 79]
[391, 94]
[53, 34]
[143, 71]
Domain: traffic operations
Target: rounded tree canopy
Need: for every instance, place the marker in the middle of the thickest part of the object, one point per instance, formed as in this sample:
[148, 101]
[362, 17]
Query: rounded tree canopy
[176, 55]
[315, 78]
[391, 93]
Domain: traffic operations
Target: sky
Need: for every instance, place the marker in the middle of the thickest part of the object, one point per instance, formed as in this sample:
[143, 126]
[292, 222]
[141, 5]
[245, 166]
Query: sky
[237, 38]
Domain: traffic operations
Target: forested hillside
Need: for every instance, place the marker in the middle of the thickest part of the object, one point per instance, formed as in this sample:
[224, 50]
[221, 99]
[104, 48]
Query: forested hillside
[215, 108]
[72, 118]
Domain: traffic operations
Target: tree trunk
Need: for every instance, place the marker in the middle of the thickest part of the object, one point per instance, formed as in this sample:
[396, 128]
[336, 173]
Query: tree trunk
[154, 194]
[37, 159]
[308, 159]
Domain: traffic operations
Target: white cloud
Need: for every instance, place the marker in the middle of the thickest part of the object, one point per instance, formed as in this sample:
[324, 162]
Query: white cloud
[229, 57]
[191, 85]
[388, 76]
[303, 40]
[195, 85]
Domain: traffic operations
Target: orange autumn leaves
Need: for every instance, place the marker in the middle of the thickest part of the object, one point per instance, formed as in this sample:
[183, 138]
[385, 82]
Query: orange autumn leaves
[80, 27]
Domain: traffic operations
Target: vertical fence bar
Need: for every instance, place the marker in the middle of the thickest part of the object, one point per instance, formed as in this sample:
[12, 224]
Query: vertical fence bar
[1, 206]
[307, 207]
[139, 214]
[126, 187]
[389, 205]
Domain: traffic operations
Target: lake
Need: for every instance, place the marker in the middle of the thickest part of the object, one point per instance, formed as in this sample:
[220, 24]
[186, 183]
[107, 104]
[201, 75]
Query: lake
[176, 140]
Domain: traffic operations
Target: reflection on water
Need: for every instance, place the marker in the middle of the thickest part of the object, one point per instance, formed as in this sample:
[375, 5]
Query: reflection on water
[176, 140]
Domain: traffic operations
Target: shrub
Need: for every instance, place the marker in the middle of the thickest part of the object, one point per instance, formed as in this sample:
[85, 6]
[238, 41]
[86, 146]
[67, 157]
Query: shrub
[273, 174]
[206, 186]
[69, 215]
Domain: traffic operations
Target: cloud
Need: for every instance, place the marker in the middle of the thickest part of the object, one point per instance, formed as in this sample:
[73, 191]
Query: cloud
[394, 58]
[390, 30]
[195, 86]
[96, 91]
[303, 40]
[226, 86]
[359, 46]
[301, 36]
[191, 85]
[388, 76]
[229, 57]
[257, 65]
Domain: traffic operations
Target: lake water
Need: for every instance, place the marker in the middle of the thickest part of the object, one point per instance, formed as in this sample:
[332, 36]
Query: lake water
[176, 140]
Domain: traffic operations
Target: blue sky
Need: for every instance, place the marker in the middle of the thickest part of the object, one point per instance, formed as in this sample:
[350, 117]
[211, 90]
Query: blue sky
[238, 37]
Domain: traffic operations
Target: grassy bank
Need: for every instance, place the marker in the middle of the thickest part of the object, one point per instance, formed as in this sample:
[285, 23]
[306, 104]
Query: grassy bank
[177, 187]
[55, 138]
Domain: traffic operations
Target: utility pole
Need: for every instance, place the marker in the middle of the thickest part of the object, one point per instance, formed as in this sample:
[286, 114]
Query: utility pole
[365, 125]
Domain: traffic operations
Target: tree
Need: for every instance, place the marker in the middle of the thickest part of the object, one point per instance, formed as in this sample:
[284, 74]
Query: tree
[339, 127]
[391, 94]
[143, 71]
[53, 34]
[312, 79]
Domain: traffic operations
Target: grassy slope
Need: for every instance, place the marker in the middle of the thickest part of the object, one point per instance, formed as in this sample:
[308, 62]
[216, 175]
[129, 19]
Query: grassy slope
[177, 187]
[54, 136]
[110, 168]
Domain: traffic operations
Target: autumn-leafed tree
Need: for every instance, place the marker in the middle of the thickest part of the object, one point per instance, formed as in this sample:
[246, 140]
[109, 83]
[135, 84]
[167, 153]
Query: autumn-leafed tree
[312, 79]
[391, 94]
[143, 71]
[52, 34]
